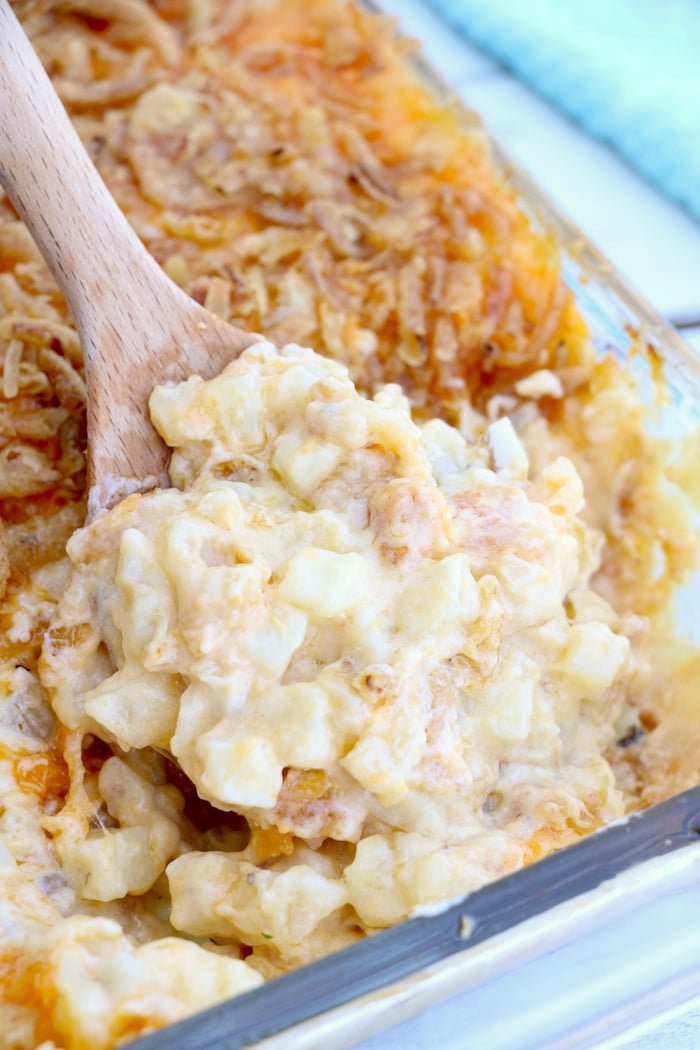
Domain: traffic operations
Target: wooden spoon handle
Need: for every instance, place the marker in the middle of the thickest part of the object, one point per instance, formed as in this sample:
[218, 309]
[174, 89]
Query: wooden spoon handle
[55, 187]
[136, 327]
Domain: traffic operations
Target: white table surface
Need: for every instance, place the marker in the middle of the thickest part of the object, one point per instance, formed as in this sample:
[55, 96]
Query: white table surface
[653, 242]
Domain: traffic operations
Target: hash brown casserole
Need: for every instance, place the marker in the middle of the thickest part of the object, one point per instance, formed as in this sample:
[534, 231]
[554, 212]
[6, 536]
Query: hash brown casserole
[401, 625]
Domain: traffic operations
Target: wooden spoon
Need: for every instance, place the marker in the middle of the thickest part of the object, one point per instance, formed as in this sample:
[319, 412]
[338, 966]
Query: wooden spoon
[136, 327]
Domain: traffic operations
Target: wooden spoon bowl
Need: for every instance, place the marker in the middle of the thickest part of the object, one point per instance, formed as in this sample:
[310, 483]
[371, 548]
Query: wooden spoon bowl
[136, 327]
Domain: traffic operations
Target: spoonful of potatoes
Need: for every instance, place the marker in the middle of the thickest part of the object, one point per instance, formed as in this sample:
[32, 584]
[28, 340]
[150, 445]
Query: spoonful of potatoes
[136, 327]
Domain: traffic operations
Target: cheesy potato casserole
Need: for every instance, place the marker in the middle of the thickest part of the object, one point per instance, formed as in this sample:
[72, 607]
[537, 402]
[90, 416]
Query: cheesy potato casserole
[402, 623]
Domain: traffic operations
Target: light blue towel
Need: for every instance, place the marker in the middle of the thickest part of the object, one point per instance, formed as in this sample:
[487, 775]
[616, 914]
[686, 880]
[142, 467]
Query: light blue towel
[627, 70]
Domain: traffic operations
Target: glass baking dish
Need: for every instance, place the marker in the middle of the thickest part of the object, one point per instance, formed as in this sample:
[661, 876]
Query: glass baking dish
[582, 893]
[559, 915]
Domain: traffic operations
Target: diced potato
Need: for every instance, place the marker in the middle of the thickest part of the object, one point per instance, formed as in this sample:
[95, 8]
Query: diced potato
[239, 769]
[443, 596]
[592, 659]
[304, 462]
[137, 708]
[324, 584]
[297, 717]
[509, 456]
